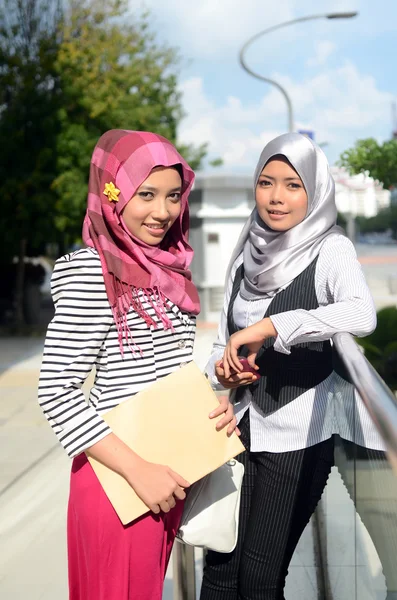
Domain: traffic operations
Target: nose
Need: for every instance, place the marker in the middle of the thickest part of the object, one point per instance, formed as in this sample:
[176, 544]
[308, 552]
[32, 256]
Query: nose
[276, 196]
[160, 210]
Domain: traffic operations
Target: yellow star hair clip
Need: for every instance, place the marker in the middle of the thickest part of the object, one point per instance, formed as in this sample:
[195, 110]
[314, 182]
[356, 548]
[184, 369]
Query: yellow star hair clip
[111, 192]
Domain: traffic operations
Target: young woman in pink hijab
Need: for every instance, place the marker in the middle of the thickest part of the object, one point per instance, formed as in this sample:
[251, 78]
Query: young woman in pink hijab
[126, 305]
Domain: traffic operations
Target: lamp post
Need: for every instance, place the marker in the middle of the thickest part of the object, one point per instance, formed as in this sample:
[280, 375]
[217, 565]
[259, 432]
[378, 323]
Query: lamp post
[337, 15]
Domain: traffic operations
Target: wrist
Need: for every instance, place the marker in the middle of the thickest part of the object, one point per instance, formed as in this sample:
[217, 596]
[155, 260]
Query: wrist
[130, 466]
[268, 328]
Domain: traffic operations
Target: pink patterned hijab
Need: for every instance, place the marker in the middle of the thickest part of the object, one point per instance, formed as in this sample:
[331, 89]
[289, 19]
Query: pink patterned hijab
[135, 272]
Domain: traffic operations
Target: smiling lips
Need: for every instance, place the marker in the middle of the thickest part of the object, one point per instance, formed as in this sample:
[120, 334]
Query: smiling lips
[276, 214]
[156, 229]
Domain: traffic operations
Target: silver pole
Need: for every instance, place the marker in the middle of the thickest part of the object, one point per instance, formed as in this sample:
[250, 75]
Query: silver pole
[339, 15]
[277, 85]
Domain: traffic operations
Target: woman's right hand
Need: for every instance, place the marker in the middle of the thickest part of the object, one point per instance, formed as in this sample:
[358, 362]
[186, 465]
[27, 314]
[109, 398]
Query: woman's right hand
[158, 486]
[235, 380]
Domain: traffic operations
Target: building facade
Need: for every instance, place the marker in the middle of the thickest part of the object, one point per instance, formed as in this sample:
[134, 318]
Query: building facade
[359, 195]
[219, 206]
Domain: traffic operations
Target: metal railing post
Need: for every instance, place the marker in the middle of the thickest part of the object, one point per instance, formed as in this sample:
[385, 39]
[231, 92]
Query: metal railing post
[184, 573]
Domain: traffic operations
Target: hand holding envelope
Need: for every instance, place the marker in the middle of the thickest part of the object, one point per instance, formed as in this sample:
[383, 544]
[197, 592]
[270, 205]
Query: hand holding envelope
[167, 424]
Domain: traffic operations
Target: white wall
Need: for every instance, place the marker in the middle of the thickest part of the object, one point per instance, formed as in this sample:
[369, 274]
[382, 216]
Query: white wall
[217, 255]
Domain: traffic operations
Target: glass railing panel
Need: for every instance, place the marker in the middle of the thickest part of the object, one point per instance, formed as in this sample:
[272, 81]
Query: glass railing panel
[360, 503]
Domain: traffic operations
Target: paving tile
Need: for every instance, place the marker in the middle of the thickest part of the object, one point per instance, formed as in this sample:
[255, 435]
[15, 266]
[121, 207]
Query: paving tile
[301, 583]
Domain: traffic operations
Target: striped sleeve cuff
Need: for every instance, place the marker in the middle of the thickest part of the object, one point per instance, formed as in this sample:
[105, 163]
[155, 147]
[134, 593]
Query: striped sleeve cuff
[287, 325]
[83, 432]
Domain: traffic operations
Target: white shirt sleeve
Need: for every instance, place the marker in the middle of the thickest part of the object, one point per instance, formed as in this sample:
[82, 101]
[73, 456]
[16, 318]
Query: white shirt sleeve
[346, 304]
[223, 332]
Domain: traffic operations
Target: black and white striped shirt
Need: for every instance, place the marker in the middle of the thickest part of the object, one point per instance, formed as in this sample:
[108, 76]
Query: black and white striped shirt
[83, 334]
[345, 304]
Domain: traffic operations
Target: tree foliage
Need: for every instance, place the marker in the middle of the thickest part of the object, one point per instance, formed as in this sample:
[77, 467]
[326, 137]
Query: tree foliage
[28, 129]
[385, 220]
[28, 120]
[381, 346]
[113, 74]
[379, 160]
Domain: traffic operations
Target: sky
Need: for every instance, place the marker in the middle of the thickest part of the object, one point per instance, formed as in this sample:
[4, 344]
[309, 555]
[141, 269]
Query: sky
[341, 75]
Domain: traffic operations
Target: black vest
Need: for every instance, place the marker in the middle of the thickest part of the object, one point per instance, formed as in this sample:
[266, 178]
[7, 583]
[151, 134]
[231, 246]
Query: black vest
[284, 377]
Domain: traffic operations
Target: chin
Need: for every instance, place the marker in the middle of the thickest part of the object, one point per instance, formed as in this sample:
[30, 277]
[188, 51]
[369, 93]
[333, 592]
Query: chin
[153, 241]
[276, 226]
[280, 227]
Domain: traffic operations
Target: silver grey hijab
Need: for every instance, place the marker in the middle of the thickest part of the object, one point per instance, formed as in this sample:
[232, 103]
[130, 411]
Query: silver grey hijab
[273, 259]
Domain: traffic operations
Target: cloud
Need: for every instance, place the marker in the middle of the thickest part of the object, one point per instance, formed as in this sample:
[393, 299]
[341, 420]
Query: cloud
[205, 27]
[229, 128]
[341, 98]
[323, 51]
[338, 104]
[222, 26]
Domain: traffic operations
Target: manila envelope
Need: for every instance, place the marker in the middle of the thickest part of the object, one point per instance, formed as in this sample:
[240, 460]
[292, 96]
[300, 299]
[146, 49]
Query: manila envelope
[167, 423]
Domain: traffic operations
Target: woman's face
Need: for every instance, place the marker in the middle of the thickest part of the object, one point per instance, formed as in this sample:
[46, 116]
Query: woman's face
[281, 198]
[155, 206]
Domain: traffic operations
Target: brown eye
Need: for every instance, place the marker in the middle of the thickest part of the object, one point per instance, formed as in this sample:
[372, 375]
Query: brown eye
[175, 197]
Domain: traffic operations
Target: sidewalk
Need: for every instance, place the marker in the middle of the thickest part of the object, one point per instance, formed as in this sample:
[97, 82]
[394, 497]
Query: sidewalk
[34, 473]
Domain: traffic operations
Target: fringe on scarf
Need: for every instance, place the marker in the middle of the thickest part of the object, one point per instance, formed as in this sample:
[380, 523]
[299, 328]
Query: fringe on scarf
[128, 297]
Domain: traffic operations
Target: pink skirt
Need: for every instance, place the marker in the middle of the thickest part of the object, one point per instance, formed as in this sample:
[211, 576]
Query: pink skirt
[107, 560]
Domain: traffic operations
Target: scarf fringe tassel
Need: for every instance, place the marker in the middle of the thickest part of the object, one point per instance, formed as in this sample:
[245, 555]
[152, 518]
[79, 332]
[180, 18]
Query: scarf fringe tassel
[130, 297]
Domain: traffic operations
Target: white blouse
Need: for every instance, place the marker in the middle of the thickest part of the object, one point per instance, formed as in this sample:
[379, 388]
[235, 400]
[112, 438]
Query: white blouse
[345, 305]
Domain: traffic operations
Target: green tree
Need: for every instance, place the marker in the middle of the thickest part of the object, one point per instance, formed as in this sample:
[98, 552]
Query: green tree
[381, 346]
[28, 127]
[379, 160]
[113, 74]
[384, 220]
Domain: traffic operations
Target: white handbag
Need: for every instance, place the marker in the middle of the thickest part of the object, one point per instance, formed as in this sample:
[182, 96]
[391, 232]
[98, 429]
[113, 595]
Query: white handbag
[211, 513]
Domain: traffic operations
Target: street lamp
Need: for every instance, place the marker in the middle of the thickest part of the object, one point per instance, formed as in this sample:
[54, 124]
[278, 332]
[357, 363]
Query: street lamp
[338, 15]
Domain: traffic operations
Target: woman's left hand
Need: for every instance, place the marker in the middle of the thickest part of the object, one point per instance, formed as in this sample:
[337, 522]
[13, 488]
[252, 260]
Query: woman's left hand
[225, 408]
[252, 337]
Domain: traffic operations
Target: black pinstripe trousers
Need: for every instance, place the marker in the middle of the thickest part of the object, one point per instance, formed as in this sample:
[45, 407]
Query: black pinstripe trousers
[279, 494]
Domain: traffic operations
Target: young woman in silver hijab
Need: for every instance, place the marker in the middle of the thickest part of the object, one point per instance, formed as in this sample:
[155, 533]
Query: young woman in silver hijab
[292, 283]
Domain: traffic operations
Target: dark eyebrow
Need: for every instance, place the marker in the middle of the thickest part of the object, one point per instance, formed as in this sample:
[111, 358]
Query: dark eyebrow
[286, 179]
[153, 189]
[148, 187]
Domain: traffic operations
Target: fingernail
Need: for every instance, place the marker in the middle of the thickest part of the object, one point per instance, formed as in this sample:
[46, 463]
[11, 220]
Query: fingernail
[211, 414]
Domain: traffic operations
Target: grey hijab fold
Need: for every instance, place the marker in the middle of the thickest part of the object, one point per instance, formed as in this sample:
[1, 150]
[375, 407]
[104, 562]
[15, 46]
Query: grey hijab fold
[273, 259]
